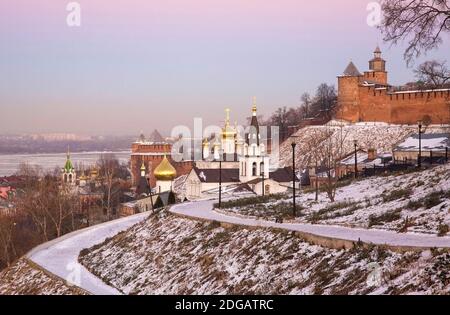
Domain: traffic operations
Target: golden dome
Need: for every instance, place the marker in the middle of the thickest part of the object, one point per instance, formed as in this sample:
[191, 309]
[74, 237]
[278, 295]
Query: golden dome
[165, 170]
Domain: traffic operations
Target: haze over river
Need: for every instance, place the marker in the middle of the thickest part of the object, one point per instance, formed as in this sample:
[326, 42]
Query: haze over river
[9, 163]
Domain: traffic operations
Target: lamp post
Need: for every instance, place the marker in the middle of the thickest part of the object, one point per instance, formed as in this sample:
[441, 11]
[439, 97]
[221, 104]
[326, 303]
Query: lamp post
[355, 142]
[263, 188]
[419, 162]
[293, 179]
[220, 178]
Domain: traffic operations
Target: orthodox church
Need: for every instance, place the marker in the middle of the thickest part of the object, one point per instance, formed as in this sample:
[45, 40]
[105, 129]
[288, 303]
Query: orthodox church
[236, 158]
[239, 160]
[68, 173]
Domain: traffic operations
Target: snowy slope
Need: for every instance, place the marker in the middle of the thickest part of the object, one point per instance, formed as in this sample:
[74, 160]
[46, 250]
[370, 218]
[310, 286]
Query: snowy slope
[172, 255]
[60, 256]
[24, 279]
[421, 199]
[382, 137]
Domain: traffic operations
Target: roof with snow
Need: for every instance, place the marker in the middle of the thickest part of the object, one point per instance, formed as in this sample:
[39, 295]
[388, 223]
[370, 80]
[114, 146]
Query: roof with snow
[282, 175]
[362, 158]
[351, 70]
[229, 175]
[435, 142]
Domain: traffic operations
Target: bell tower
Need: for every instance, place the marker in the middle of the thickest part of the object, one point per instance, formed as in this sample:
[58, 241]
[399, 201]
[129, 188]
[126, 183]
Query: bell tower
[377, 68]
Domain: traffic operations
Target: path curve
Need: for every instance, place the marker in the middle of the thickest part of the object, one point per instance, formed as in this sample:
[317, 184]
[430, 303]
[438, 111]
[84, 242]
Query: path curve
[204, 210]
[60, 256]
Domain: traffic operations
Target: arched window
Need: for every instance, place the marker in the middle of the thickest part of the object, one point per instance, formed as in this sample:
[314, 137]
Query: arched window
[261, 168]
[65, 178]
[254, 169]
[70, 178]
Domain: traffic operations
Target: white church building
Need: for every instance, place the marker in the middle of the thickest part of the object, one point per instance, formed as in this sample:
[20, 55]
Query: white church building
[244, 162]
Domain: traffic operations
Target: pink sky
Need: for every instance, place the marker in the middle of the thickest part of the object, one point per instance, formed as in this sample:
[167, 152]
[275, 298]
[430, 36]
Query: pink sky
[138, 65]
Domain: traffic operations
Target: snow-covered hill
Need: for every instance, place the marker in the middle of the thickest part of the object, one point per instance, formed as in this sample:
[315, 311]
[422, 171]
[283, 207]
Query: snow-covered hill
[172, 255]
[380, 136]
[414, 202]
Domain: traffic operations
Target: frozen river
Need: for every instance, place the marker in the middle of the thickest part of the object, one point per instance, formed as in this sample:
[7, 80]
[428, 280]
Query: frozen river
[9, 162]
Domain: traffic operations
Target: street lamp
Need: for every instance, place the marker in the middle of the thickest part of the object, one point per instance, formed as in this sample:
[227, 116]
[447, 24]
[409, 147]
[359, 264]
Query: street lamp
[293, 179]
[262, 175]
[355, 142]
[220, 177]
[419, 163]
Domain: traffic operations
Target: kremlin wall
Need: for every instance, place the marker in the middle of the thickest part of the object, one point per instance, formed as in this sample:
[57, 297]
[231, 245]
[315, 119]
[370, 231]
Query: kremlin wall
[368, 97]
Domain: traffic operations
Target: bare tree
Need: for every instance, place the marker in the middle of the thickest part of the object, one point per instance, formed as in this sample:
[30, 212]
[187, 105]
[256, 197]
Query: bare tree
[313, 147]
[333, 152]
[306, 101]
[51, 207]
[7, 248]
[326, 98]
[111, 173]
[433, 73]
[421, 23]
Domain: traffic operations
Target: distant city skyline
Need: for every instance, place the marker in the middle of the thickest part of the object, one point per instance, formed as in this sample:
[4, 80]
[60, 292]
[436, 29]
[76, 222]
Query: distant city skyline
[143, 65]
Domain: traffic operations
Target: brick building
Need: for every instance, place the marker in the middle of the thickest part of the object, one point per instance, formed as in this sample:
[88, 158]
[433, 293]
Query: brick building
[151, 152]
[369, 97]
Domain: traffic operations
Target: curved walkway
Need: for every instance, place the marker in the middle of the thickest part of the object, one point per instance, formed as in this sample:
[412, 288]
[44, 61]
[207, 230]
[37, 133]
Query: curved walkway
[204, 210]
[60, 256]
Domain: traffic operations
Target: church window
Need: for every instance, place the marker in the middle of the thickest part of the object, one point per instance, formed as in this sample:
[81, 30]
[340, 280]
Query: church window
[254, 169]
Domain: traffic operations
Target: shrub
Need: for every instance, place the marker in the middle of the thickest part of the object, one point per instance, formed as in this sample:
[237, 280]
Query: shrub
[386, 217]
[242, 202]
[414, 205]
[432, 199]
[332, 212]
[397, 194]
[443, 229]
[405, 225]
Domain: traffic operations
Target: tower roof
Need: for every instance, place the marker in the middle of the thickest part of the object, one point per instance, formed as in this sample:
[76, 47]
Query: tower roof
[156, 137]
[68, 167]
[165, 170]
[351, 70]
[253, 136]
[377, 50]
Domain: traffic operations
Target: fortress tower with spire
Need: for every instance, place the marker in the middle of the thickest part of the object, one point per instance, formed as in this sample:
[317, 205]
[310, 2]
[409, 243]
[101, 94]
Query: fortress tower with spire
[368, 97]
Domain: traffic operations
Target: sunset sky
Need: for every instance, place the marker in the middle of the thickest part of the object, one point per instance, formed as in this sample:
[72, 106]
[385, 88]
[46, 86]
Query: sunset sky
[140, 64]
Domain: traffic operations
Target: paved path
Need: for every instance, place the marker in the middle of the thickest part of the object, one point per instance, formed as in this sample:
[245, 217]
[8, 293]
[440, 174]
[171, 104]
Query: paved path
[60, 256]
[204, 210]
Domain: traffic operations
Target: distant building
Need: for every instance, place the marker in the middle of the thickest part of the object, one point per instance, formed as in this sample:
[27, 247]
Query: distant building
[68, 174]
[365, 159]
[150, 153]
[434, 145]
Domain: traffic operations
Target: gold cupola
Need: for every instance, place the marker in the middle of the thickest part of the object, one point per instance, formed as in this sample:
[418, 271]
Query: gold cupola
[228, 131]
[165, 171]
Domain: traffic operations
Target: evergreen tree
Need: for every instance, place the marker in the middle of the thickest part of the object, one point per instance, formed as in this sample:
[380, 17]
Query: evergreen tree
[171, 199]
[159, 203]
